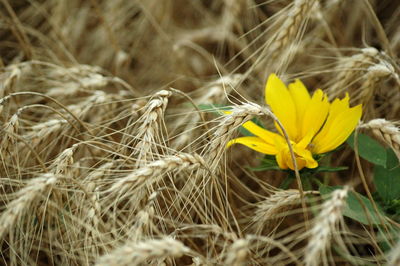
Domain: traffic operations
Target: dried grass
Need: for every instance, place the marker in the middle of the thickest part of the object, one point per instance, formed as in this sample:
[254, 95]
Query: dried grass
[108, 156]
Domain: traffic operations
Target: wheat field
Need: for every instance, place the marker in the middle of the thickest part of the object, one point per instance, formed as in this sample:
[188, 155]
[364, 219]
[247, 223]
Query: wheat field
[112, 155]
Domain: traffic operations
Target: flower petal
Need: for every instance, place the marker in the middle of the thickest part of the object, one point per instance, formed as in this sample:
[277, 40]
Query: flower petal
[281, 159]
[256, 144]
[278, 97]
[315, 114]
[301, 99]
[260, 132]
[303, 158]
[341, 121]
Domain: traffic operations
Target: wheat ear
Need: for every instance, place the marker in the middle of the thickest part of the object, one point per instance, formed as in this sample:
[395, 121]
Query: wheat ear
[212, 93]
[227, 127]
[349, 66]
[149, 125]
[374, 75]
[133, 253]
[12, 77]
[291, 26]
[385, 131]
[25, 198]
[269, 210]
[324, 225]
[64, 160]
[9, 129]
[237, 253]
[154, 171]
[394, 256]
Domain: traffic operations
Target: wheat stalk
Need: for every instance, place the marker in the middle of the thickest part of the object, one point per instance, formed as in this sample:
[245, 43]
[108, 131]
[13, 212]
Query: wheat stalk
[82, 108]
[131, 186]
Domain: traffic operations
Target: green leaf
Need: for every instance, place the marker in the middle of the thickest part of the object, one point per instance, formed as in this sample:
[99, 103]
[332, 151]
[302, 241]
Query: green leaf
[358, 207]
[385, 238]
[369, 149]
[263, 168]
[213, 108]
[387, 179]
[287, 182]
[320, 169]
[266, 164]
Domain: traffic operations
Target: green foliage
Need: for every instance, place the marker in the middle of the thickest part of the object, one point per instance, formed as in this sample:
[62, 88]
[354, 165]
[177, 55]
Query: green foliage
[369, 149]
[267, 163]
[358, 207]
[215, 109]
[324, 169]
[387, 178]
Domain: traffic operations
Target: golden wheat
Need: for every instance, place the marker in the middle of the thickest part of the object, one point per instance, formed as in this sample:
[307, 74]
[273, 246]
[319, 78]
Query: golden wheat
[113, 152]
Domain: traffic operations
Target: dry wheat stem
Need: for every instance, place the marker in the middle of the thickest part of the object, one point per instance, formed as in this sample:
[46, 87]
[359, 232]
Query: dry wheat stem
[324, 226]
[66, 205]
[296, 169]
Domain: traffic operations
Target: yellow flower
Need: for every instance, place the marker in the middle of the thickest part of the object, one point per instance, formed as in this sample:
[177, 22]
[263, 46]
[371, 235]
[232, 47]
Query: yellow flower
[313, 124]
